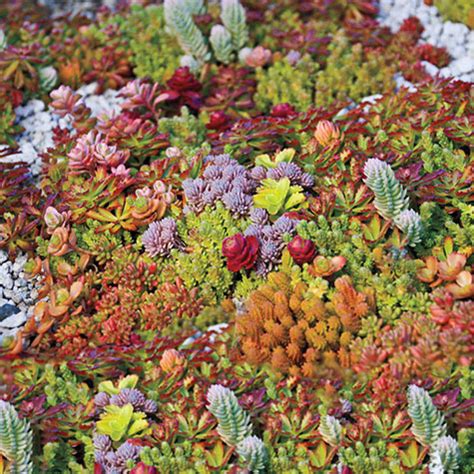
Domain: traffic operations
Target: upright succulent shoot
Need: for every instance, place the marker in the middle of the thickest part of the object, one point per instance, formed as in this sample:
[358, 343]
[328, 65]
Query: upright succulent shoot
[16, 441]
[233, 17]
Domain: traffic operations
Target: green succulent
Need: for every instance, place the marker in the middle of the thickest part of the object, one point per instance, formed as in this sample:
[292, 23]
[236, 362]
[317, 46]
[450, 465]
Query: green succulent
[350, 73]
[459, 11]
[283, 82]
[278, 197]
[122, 422]
[16, 441]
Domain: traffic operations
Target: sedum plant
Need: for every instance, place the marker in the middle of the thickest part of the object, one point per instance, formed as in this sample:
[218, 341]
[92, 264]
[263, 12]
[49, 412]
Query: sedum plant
[16, 441]
[233, 423]
[283, 82]
[458, 11]
[428, 423]
[278, 197]
[391, 200]
[121, 422]
[178, 16]
[253, 453]
[445, 456]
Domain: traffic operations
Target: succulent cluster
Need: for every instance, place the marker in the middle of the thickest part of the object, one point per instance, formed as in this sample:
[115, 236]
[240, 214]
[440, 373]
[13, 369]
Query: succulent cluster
[295, 330]
[249, 229]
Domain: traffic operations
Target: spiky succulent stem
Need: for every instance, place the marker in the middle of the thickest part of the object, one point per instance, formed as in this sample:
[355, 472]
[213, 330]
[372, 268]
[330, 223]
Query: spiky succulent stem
[331, 430]
[253, 453]
[178, 16]
[16, 440]
[234, 424]
[390, 196]
[445, 454]
[221, 42]
[233, 17]
[391, 200]
[409, 222]
[428, 423]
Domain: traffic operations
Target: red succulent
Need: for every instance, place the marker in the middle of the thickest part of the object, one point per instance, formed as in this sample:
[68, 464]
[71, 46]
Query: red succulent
[302, 250]
[142, 468]
[184, 89]
[283, 110]
[241, 252]
[218, 121]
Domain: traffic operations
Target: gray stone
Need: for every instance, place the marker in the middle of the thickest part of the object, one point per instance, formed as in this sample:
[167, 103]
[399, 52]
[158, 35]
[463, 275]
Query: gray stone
[462, 65]
[5, 278]
[430, 68]
[14, 321]
[7, 310]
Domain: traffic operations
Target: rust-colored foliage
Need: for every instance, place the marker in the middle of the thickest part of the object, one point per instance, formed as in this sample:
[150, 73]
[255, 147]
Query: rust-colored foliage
[295, 330]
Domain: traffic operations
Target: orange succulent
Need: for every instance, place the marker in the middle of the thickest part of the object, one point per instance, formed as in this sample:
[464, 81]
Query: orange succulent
[327, 133]
[452, 266]
[427, 274]
[324, 266]
[464, 286]
[171, 360]
[62, 241]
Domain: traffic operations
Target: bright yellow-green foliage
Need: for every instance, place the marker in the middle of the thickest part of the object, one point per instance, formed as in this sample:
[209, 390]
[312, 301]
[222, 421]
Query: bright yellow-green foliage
[282, 83]
[457, 10]
[121, 422]
[279, 196]
[351, 73]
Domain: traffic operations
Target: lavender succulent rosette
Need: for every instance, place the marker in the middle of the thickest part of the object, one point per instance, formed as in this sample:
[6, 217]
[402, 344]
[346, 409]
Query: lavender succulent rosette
[225, 180]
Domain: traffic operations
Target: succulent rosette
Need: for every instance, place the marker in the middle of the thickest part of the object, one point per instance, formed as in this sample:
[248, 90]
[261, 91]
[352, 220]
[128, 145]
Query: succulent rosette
[241, 252]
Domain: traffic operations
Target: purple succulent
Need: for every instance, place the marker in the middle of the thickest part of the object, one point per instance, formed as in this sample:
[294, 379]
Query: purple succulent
[125, 452]
[194, 190]
[237, 202]
[269, 258]
[284, 225]
[306, 180]
[101, 400]
[219, 160]
[259, 216]
[258, 173]
[289, 170]
[102, 446]
[212, 172]
[129, 395]
[233, 171]
[161, 237]
[150, 406]
[255, 230]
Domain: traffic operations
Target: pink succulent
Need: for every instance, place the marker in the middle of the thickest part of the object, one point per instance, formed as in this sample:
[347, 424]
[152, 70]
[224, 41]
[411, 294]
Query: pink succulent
[64, 100]
[464, 286]
[258, 57]
[53, 218]
[121, 171]
[452, 266]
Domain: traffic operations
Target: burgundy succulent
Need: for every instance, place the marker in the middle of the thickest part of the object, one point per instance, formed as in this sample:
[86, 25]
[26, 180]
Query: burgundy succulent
[302, 250]
[241, 252]
[183, 88]
[218, 121]
[284, 110]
